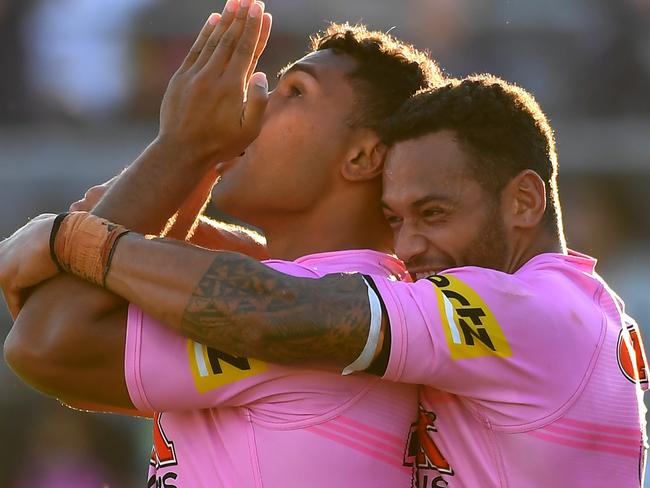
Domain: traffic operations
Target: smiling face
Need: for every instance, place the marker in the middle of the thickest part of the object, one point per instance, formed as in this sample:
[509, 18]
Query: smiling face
[440, 214]
[305, 135]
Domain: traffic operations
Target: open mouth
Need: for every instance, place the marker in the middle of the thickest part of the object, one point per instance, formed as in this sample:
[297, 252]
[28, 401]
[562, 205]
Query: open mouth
[419, 274]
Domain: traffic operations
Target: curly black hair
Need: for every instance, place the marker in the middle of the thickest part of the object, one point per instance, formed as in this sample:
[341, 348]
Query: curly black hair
[389, 71]
[500, 124]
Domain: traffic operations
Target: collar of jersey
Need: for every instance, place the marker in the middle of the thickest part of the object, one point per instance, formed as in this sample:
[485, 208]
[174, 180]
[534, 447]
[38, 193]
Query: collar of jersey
[390, 263]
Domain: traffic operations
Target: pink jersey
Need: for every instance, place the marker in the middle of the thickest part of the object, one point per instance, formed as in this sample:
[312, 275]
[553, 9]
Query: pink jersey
[533, 379]
[238, 422]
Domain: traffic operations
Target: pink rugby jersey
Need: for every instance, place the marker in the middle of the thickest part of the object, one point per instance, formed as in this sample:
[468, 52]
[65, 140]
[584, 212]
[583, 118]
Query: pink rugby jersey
[237, 422]
[532, 379]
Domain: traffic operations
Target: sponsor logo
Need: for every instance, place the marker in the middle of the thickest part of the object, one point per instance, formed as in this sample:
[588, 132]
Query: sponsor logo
[470, 327]
[212, 369]
[423, 454]
[165, 481]
[163, 453]
[630, 355]
[421, 450]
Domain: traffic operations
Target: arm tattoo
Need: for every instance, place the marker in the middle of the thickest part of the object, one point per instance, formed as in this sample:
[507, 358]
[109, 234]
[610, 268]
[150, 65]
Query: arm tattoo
[243, 307]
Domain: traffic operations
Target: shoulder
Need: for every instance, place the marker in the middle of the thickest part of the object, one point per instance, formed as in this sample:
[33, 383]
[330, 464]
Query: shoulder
[548, 286]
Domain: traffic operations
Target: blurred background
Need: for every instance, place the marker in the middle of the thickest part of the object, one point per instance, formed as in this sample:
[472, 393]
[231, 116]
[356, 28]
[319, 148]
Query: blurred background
[80, 87]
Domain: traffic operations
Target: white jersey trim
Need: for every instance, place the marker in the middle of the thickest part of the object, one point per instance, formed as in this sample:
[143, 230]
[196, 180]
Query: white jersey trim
[364, 360]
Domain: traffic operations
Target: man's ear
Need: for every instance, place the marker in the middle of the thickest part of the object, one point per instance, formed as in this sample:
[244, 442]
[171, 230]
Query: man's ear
[365, 160]
[525, 200]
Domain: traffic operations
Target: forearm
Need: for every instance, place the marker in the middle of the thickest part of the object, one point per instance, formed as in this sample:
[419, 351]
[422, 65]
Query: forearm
[240, 306]
[151, 190]
[62, 313]
[201, 101]
[68, 351]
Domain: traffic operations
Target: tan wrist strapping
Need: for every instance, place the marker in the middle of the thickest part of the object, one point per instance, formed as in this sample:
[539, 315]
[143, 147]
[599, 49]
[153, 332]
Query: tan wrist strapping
[84, 245]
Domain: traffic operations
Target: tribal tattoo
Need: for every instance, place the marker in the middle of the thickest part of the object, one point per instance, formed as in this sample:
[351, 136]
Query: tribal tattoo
[245, 308]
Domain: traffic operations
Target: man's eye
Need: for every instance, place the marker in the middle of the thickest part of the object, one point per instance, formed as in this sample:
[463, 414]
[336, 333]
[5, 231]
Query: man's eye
[431, 213]
[393, 220]
[294, 91]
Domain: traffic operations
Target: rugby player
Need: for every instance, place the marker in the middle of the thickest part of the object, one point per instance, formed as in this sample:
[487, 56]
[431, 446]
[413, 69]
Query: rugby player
[312, 181]
[533, 371]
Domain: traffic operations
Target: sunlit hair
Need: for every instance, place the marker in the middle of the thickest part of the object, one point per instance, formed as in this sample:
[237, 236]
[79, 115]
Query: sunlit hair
[389, 71]
[501, 125]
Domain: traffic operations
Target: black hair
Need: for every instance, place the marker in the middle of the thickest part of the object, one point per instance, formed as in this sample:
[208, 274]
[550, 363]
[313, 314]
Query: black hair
[389, 71]
[500, 124]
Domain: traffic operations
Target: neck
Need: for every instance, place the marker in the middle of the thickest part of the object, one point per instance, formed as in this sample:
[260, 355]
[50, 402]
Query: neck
[540, 242]
[336, 224]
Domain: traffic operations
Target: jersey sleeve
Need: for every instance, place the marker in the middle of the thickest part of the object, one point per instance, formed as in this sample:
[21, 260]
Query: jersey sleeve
[516, 349]
[165, 371]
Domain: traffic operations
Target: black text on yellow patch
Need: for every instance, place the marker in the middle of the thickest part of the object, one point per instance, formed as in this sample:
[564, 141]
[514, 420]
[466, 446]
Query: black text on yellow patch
[470, 327]
[212, 369]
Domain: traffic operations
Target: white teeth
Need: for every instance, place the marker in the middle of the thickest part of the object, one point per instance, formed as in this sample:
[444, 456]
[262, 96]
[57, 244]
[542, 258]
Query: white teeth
[424, 274]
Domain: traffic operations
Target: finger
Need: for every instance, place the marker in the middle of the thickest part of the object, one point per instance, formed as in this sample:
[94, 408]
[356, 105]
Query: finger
[241, 36]
[227, 18]
[79, 206]
[256, 100]
[201, 40]
[113, 179]
[267, 21]
[94, 193]
[84, 205]
[244, 53]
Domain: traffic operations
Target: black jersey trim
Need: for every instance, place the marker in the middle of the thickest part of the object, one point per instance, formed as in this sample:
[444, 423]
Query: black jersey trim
[379, 365]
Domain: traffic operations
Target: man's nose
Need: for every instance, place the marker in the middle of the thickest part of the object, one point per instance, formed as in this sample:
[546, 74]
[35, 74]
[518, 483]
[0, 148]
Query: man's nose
[409, 244]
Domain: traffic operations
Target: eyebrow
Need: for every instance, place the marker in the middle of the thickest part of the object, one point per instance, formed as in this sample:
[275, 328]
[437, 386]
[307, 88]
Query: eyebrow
[421, 201]
[303, 67]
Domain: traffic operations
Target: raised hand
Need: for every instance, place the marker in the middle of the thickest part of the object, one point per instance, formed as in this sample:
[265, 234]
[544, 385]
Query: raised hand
[214, 103]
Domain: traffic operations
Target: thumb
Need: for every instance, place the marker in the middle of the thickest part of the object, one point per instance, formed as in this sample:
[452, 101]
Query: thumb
[256, 99]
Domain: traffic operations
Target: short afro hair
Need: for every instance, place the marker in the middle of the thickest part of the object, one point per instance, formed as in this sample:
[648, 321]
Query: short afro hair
[500, 124]
[389, 71]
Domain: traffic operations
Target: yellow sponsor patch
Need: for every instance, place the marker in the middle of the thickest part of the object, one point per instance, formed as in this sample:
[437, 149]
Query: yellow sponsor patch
[470, 327]
[213, 369]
